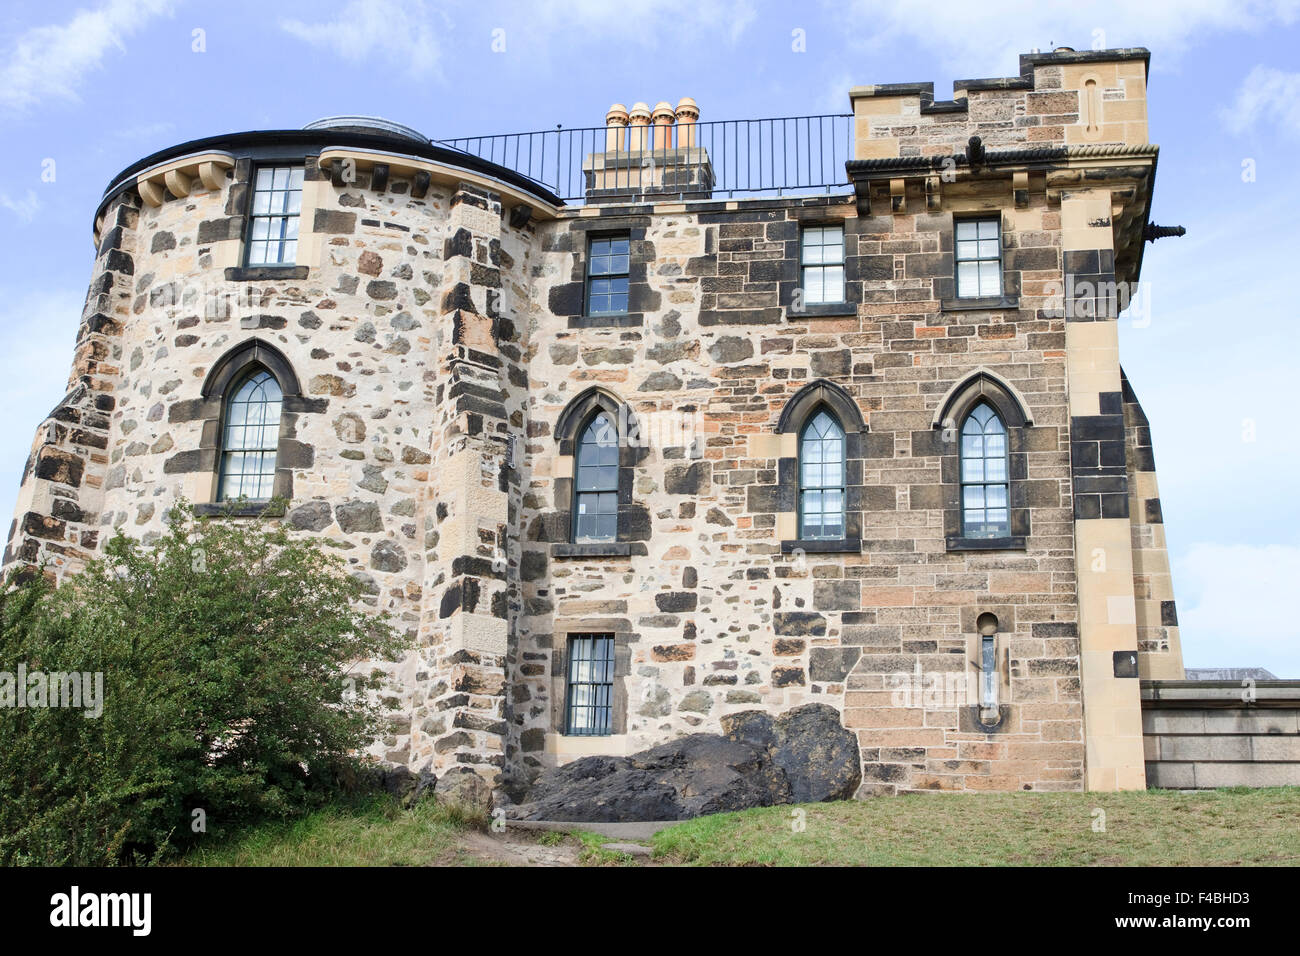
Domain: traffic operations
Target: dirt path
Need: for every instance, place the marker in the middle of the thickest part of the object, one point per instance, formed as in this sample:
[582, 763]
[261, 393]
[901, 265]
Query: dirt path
[514, 849]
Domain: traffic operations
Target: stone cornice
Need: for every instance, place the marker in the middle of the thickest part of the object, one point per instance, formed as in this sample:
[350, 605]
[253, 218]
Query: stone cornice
[1127, 171]
[383, 163]
[177, 176]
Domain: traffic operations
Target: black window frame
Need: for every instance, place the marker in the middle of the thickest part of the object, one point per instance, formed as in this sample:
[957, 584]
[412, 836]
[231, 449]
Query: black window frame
[589, 276]
[958, 260]
[1004, 529]
[842, 487]
[579, 491]
[273, 448]
[599, 641]
[252, 216]
[804, 265]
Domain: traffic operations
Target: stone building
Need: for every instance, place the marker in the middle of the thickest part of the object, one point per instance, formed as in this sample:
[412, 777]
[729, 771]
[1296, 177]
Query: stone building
[624, 462]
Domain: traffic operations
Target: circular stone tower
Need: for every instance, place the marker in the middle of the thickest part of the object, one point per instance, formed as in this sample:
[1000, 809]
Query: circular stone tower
[325, 318]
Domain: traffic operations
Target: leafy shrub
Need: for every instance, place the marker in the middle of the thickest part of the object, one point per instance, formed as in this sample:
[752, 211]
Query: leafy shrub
[230, 655]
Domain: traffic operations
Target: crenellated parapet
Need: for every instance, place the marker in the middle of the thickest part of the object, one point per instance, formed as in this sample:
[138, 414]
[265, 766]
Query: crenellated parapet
[1061, 98]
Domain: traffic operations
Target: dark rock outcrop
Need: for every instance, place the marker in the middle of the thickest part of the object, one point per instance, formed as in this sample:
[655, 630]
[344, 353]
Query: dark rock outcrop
[804, 755]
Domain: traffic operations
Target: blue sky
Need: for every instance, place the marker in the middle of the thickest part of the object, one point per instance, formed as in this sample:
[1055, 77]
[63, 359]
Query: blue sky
[94, 86]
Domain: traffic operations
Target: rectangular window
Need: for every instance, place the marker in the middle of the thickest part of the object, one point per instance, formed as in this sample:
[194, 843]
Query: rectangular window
[273, 219]
[589, 695]
[607, 275]
[822, 262]
[979, 258]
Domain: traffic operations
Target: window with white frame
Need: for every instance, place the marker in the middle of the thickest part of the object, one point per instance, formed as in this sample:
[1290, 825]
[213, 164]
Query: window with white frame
[273, 217]
[595, 486]
[979, 258]
[608, 269]
[821, 262]
[985, 481]
[821, 478]
[250, 438]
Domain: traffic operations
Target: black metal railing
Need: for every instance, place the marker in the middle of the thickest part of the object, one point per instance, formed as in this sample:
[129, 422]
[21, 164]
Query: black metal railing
[718, 159]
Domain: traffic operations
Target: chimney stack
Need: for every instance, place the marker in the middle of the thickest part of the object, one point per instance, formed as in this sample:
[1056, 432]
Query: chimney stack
[663, 121]
[615, 126]
[688, 114]
[640, 120]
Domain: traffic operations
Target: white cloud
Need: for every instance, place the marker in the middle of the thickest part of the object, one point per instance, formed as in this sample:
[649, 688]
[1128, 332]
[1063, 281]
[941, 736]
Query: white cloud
[673, 23]
[25, 208]
[984, 39]
[1268, 96]
[382, 30]
[1234, 607]
[50, 61]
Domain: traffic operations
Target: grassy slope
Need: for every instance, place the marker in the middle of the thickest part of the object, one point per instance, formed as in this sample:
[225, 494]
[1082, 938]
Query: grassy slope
[377, 833]
[1225, 827]
[1142, 828]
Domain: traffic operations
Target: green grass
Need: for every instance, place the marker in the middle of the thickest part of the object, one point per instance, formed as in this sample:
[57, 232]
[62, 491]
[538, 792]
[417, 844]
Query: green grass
[593, 854]
[1142, 828]
[376, 832]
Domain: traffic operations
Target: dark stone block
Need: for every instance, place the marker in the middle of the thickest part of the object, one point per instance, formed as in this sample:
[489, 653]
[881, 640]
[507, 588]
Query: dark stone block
[336, 222]
[1087, 506]
[676, 602]
[1168, 614]
[1153, 513]
[296, 454]
[689, 479]
[799, 624]
[832, 664]
[217, 230]
[533, 566]
[836, 595]
[1114, 506]
[567, 299]
[358, 516]
[185, 462]
[311, 516]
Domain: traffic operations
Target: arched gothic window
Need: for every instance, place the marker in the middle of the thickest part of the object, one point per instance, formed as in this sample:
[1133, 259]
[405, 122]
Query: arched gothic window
[821, 478]
[250, 438]
[984, 476]
[595, 488]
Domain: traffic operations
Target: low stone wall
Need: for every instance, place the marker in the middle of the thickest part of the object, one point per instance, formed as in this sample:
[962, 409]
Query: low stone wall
[1204, 734]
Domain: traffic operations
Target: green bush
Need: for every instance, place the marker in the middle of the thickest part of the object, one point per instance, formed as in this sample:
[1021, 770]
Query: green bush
[232, 692]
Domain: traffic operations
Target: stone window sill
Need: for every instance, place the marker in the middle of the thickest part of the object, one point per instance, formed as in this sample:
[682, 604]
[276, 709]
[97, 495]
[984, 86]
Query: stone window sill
[827, 309]
[572, 747]
[264, 273]
[823, 546]
[958, 543]
[243, 509]
[985, 303]
[595, 549]
[622, 320]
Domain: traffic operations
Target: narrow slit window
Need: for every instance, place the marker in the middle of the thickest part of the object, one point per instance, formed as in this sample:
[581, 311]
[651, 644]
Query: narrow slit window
[590, 686]
[821, 479]
[250, 439]
[984, 479]
[595, 504]
[822, 264]
[273, 220]
[979, 258]
[607, 275]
